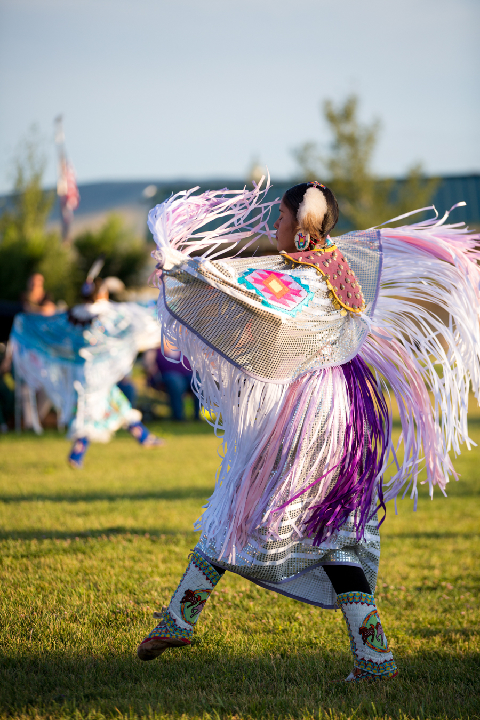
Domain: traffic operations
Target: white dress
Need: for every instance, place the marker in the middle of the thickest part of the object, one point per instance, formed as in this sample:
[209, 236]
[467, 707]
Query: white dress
[77, 358]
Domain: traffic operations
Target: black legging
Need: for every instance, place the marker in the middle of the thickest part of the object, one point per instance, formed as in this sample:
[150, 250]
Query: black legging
[344, 578]
[347, 578]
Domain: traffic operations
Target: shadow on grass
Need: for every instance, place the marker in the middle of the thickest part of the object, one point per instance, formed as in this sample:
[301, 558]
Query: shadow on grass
[431, 535]
[445, 633]
[109, 533]
[176, 429]
[190, 492]
[169, 427]
[467, 486]
[212, 680]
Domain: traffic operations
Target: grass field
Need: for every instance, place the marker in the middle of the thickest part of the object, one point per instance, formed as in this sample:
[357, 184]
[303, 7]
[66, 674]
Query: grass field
[87, 556]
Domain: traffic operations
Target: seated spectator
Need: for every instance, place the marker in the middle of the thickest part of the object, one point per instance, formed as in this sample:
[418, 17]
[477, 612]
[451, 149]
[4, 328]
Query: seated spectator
[173, 377]
[6, 392]
[37, 302]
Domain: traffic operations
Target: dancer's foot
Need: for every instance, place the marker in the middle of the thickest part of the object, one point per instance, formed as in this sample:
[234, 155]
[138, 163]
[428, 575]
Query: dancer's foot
[359, 675]
[152, 441]
[178, 620]
[165, 635]
[144, 437]
[151, 648]
[77, 452]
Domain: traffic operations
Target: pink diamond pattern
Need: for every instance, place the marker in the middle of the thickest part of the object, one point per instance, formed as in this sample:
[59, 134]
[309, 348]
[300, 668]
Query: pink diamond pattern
[278, 289]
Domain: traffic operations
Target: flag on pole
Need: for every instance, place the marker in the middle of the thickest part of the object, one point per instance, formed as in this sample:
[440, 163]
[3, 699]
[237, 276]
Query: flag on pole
[67, 189]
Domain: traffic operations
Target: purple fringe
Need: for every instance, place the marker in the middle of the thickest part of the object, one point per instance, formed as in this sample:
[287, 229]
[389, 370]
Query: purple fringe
[366, 442]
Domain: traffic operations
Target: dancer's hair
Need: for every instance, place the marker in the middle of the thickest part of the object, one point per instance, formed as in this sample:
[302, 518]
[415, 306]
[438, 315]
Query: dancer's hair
[314, 207]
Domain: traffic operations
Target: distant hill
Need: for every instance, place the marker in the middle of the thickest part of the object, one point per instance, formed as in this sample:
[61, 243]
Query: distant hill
[126, 198]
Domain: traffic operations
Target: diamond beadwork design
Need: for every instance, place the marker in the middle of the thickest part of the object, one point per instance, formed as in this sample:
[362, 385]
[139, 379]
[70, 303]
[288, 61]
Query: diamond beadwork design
[277, 290]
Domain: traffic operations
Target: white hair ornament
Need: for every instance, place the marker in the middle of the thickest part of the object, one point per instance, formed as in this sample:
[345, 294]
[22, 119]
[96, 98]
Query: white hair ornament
[310, 215]
[312, 209]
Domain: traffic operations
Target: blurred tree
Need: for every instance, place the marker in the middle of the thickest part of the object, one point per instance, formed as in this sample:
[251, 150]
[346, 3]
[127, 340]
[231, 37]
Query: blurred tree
[25, 245]
[256, 170]
[364, 199]
[125, 255]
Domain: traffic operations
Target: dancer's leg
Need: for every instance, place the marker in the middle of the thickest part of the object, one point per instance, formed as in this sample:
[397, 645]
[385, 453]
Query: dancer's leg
[128, 388]
[372, 657]
[176, 384]
[345, 578]
[77, 452]
[178, 620]
[143, 435]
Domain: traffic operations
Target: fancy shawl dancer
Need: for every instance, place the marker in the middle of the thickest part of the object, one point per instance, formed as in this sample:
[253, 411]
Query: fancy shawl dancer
[78, 357]
[294, 354]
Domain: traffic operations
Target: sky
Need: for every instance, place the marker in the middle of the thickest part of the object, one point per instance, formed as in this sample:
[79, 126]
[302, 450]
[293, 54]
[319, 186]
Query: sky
[174, 89]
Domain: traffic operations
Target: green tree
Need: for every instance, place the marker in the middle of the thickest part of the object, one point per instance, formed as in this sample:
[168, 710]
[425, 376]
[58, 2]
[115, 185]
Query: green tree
[25, 245]
[125, 255]
[364, 199]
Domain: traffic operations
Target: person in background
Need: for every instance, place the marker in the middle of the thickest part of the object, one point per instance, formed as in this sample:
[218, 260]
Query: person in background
[78, 357]
[165, 371]
[7, 401]
[35, 299]
[103, 415]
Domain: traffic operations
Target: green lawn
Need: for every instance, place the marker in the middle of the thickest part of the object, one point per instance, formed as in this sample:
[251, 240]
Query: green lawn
[87, 556]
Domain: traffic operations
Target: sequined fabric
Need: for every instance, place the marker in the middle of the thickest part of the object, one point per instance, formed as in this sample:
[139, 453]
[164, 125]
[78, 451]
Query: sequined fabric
[290, 563]
[259, 336]
[291, 567]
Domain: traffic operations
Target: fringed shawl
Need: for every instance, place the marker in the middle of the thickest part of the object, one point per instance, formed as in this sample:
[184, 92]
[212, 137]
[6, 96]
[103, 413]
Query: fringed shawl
[398, 345]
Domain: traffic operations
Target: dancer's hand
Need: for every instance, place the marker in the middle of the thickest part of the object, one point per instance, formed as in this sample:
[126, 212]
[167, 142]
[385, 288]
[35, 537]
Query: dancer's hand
[167, 258]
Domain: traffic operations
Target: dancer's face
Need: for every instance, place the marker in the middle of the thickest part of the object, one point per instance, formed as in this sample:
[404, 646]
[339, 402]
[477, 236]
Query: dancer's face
[286, 227]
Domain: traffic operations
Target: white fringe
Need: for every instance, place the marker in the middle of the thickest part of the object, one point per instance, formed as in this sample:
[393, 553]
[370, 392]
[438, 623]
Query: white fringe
[424, 264]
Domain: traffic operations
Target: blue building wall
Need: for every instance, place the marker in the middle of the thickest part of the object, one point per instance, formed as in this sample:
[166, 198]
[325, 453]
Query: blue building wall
[451, 190]
[106, 197]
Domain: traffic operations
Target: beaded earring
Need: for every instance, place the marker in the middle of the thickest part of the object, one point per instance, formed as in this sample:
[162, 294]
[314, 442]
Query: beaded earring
[301, 240]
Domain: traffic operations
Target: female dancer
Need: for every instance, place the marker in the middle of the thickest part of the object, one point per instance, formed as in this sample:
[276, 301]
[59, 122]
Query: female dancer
[281, 349]
[78, 357]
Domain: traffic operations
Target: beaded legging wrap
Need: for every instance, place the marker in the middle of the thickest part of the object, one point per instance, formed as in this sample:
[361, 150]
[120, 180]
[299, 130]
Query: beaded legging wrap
[178, 620]
[368, 642]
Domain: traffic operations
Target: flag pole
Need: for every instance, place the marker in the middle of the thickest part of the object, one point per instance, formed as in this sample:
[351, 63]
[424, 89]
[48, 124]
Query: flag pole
[67, 190]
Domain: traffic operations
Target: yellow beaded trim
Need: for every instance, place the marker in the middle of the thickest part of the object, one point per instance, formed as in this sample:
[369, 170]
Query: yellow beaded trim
[323, 248]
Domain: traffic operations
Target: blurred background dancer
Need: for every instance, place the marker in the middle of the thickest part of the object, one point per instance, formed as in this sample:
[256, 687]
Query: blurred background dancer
[76, 359]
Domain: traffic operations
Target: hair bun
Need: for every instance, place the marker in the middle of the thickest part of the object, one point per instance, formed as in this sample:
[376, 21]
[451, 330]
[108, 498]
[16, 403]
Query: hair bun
[314, 207]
